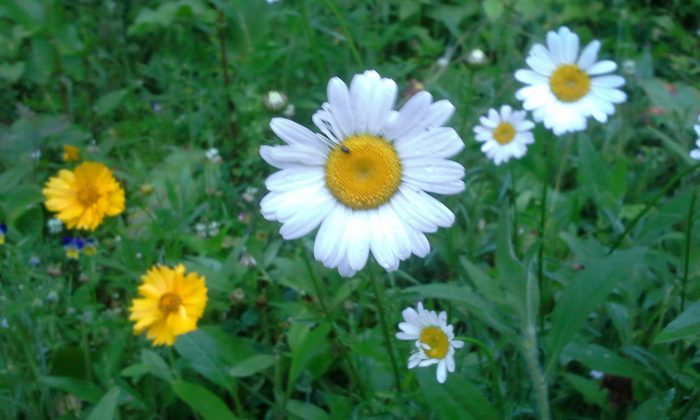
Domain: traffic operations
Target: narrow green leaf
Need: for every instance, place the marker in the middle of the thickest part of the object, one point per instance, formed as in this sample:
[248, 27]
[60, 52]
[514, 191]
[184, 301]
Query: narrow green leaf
[106, 409]
[203, 401]
[84, 390]
[686, 325]
[307, 349]
[596, 357]
[587, 290]
[306, 411]
[109, 101]
[590, 390]
[252, 365]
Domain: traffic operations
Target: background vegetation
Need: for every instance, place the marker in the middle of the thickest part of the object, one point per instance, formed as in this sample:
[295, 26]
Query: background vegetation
[148, 86]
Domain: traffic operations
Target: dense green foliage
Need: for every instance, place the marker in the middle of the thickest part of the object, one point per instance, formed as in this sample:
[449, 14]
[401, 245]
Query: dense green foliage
[147, 87]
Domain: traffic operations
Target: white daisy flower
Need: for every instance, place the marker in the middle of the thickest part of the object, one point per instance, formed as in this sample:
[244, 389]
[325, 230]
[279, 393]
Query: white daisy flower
[695, 154]
[505, 134]
[365, 179]
[435, 343]
[565, 88]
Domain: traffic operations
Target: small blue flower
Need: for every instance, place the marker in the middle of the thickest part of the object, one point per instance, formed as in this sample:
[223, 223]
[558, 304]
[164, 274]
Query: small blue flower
[90, 246]
[3, 231]
[73, 246]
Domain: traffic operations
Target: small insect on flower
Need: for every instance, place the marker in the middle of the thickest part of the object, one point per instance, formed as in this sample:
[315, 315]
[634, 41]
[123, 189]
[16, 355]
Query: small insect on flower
[695, 154]
[505, 134]
[70, 153]
[82, 198]
[171, 303]
[3, 232]
[365, 181]
[435, 343]
[73, 246]
[565, 88]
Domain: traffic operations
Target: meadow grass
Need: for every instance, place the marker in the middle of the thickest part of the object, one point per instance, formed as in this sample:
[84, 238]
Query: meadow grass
[571, 274]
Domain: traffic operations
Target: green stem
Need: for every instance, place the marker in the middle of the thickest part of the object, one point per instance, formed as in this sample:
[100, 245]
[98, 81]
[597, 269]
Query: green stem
[688, 239]
[540, 250]
[651, 204]
[346, 32]
[379, 295]
[512, 197]
[539, 382]
[355, 376]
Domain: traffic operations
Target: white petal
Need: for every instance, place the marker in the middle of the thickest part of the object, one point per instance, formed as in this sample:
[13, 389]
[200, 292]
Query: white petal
[570, 45]
[695, 154]
[419, 243]
[290, 156]
[307, 219]
[431, 208]
[339, 98]
[441, 372]
[432, 170]
[602, 67]
[589, 55]
[358, 237]
[295, 178]
[612, 81]
[410, 115]
[295, 134]
[540, 60]
[406, 336]
[383, 101]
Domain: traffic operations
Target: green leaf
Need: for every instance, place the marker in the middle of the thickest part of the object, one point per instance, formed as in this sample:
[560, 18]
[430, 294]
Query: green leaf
[685, 326]
[202, 401]
[252, 365]
[306, 411]
[306, 348]
[12, 71]
[84, 390]
[596, 357]
[457, 398]
[587, 290]
[204, 355]
[106, 409]
[110, 101]
[590, 390]
[493, 9]
[152, 363]
[655, 408]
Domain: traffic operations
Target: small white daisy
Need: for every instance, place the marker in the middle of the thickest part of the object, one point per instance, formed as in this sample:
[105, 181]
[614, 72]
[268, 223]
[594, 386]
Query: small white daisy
[435, 343]
[565, 88]
[476, 57]
[213, 155]
[695, 154]
[505, 134]
[365, 179]
[275, 100]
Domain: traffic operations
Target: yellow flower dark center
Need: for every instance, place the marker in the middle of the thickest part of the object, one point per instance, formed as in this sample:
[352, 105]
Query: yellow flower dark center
[169, 303]
[87, 196]
[363, 172]
[504, 133]
[437, 340]
[569, 83]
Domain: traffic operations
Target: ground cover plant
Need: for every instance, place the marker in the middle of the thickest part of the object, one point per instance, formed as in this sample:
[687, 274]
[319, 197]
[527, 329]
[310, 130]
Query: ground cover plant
[349, 209]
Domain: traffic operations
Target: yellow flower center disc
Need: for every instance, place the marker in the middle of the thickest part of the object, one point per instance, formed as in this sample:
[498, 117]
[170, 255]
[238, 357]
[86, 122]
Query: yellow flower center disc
[437, 340]
[569, 83]
[87, 196]
[363, 172]
[504, 133]
[169, 303]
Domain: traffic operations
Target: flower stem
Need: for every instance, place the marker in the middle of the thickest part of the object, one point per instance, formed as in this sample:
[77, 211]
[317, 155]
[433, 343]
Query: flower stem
[355, 376]
[346, 32]
[688, 238]
[539, 382]
[540, 250]
[379, 295]
[651, 204]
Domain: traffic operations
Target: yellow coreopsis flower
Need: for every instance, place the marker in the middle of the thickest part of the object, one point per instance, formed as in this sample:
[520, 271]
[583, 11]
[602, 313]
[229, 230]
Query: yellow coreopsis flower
[83, 197]
[71, 153]
[172, 302]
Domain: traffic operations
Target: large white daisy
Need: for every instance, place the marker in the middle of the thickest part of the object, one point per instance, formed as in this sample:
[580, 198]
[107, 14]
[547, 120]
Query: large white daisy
[435, 343]
[365, 179]
[565, 88]
[695, 154]
[505, 134]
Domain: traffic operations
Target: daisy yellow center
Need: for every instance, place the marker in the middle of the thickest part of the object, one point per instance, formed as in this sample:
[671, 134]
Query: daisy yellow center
[569, 83]
[504, 133]
[363, 172]
[87, 195]
[437, 340]
[169, 303]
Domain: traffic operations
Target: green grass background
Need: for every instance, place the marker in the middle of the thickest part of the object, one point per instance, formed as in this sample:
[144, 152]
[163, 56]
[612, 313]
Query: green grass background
[147, 86]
